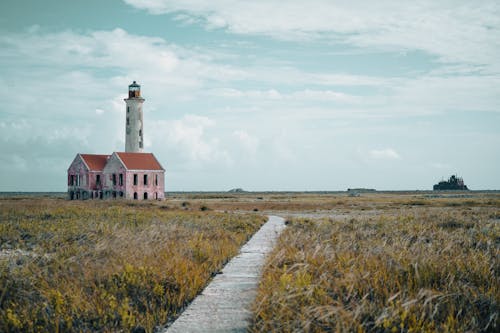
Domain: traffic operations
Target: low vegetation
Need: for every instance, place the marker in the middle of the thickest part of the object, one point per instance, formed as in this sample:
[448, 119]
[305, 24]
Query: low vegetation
[281, 203]
[108, 266]
[419, 270]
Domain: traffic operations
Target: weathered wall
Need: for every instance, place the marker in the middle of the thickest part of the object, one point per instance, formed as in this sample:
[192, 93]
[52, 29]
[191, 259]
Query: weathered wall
[86, 187]
[134, 131]
[153, 191]
[115, 166]
[77, 179]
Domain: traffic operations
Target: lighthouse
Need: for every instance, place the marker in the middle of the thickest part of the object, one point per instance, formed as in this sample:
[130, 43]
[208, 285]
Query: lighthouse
[128, 175]
[134, 134]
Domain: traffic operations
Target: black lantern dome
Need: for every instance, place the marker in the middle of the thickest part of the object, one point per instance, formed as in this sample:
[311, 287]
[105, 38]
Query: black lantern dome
[134, 90]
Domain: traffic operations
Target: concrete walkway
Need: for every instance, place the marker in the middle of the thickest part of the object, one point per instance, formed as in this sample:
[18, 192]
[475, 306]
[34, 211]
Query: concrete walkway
[224, 305]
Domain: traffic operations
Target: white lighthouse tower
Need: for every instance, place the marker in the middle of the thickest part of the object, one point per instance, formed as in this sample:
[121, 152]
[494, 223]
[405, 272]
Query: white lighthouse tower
[134, 137]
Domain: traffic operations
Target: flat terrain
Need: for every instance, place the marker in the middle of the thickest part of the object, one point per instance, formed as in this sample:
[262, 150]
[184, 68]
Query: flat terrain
[108, 265]
[411, 261]
[225, 304]
[386, 263]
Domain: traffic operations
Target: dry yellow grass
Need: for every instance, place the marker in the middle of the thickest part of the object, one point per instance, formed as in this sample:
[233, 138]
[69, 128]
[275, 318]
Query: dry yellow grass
[386, 262]
[338, 202]
[107, 266]
[424, 270]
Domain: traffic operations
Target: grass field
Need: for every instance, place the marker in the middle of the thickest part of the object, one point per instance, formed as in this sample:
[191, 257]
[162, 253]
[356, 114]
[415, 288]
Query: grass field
[386, 264]
[380, 262]
[108, 266]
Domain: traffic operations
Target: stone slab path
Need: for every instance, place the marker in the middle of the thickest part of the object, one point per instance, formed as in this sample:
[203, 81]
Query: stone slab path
[224, 305]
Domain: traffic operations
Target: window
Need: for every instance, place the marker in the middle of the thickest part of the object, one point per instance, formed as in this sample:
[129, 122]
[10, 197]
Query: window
[114, 179]
[98, 180]
[135, 179]
[120, 180]
[128, 110]
[145, 195]
[156, 180]
[135, 195]
[140, 144]
[128, 121]
[71, 180]
[145, 179]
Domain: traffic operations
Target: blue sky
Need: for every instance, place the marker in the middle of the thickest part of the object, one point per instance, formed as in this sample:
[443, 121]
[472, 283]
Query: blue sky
[262, 95]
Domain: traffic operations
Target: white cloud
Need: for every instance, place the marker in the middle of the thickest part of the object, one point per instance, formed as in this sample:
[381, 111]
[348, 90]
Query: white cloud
[188, 138]
[188, 133]
[439, 94]
[384, 154]
[132, 57]
[452, 30]
[274, 94]
[232, 92]
[282, 148]
[250, 143]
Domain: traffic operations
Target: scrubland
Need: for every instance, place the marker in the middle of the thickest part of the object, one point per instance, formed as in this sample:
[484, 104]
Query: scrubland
[331, 203]
[386, 264]
[380, 262]
[108, 266]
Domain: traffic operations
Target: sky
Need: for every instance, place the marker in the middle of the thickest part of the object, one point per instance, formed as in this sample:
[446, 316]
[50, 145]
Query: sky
[264, 95]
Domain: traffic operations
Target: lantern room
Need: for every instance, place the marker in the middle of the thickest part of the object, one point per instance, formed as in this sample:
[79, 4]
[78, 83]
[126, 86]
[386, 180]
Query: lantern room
[134, 90]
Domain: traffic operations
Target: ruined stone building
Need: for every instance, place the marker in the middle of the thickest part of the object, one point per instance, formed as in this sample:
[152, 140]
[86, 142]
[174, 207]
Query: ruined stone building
[132, 174]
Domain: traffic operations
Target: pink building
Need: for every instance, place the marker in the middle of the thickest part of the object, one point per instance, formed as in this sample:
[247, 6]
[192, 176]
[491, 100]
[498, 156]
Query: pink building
[85, 176]
[129, 175]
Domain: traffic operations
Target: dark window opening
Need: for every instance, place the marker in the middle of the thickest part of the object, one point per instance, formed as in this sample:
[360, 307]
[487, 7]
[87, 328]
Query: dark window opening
[156, 195]
[114, 179]
[98, 180]
[140, 144]
[140, 133]
[156, 180]
[128, 121]
[121, 194]
[71, 180]
[145, 195]
[145, 179]
[128, 110]
[71, 195]
[135, 179]
[120, 179]
[135, 195]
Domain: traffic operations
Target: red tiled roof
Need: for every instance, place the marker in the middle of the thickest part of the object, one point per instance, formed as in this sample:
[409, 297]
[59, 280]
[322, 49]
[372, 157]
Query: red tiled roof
[140, 161]
[95, 162]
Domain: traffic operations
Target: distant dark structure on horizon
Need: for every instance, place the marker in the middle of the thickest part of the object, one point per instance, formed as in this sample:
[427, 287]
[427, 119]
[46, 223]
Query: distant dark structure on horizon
[454, 183]
[236, 190]
[361, 190]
